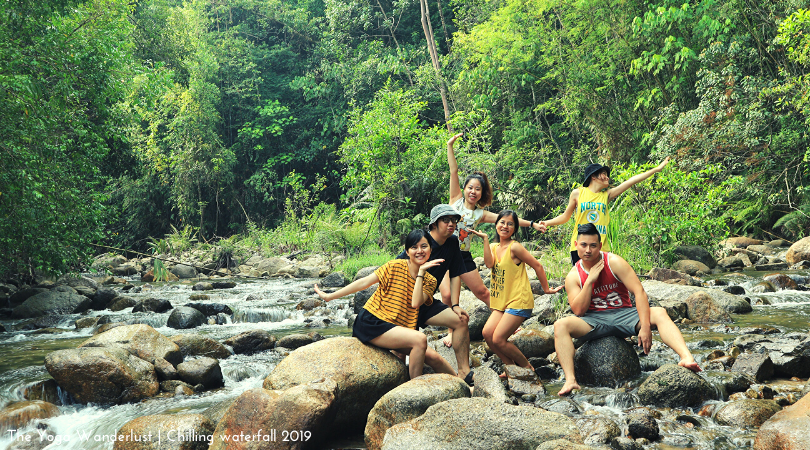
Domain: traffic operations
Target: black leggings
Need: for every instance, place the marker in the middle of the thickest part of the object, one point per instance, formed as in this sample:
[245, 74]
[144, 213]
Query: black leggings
[574, 257]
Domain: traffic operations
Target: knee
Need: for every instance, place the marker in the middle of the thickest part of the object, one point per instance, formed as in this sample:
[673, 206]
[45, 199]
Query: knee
[487, 335]
[559, 329]
[481, 293]
[659, 314]
[419, 342]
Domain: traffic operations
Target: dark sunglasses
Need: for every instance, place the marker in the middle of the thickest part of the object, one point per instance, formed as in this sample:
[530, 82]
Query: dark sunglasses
[448, 219]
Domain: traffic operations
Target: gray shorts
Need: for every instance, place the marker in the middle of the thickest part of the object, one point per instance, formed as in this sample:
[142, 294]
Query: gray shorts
[620, 322]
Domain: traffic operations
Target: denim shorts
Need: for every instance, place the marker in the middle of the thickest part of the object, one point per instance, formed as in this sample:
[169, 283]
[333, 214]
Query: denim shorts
[619, 322]
[525, 313]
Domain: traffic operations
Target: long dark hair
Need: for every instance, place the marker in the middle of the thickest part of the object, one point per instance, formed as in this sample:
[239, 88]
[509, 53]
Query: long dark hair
[508, 212]
[486, 188]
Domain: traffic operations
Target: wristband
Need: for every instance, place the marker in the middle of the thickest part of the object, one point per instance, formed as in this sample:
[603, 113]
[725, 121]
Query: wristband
[420, 276]
[453, 306]
[531, 224]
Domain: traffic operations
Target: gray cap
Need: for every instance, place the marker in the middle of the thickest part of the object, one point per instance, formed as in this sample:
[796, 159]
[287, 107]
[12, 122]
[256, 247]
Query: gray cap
[440, 211]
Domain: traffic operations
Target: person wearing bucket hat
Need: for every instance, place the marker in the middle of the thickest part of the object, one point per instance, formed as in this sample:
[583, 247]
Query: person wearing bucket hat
[470, 199]
[589, 204]
[445, 247]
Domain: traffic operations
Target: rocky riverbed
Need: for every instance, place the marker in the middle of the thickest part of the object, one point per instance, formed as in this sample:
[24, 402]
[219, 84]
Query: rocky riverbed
[215, 360]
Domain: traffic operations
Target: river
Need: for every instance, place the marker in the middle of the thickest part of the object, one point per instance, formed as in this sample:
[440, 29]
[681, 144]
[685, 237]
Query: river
[86, 426]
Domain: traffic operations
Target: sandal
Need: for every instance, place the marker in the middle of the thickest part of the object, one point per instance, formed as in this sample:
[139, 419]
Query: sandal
[469, 379]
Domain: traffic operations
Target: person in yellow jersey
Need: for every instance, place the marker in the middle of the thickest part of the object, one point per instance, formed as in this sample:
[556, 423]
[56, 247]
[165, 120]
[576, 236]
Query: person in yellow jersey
[511, 299]
[590, 203]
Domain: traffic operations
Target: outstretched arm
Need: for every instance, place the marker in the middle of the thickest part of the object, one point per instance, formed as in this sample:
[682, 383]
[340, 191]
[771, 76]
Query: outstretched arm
[520, 252]
[455, 189]
[619, 190]
[625, 273]
[565, 216]
[351, 288]
[490, 217]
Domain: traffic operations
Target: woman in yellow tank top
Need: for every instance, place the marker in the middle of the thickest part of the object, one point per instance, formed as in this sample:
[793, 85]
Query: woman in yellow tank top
[511, 299]
[589, 204]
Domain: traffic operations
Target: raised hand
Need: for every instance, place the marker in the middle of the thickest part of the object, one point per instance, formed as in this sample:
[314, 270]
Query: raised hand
[663, 164]
[480, 234]
[453, 139]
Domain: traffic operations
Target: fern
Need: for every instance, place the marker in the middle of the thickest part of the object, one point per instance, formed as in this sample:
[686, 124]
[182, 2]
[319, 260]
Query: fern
[795, 223]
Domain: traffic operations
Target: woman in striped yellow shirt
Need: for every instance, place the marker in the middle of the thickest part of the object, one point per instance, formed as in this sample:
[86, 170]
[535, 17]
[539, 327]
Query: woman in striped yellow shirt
[388, 320]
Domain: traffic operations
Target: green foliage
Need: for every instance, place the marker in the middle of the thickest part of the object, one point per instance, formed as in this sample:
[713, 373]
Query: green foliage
[372, 257]
[160, 271]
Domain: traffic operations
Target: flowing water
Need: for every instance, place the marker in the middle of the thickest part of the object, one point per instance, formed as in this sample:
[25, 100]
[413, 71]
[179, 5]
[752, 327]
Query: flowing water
[79, 426]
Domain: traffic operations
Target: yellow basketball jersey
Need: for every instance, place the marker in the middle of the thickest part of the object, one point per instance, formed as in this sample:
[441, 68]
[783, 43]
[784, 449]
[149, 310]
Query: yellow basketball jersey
[592, 208]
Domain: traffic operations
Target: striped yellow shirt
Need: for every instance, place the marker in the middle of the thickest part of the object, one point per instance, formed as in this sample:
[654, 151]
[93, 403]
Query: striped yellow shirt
[392, 300]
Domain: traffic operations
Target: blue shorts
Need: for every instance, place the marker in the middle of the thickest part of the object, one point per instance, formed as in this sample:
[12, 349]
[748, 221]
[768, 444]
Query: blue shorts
[619, 322]
[525, 313]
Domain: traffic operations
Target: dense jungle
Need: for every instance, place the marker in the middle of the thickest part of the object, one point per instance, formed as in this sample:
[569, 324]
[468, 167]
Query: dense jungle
[321, 125]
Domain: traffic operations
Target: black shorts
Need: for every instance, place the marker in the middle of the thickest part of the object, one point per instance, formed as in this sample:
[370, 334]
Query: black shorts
[426, 312]
[574, 257]
[367, 326]
[468, 261]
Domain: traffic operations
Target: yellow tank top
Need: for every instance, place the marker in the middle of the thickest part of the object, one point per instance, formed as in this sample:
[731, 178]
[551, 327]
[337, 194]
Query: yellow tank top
[509, 283]
[592, 208]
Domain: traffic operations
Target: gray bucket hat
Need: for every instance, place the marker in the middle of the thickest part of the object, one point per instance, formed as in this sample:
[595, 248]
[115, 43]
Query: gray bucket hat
[442, 210]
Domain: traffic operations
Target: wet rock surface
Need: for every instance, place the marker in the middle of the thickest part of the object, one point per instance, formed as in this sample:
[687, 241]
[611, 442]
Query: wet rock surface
[606, 362]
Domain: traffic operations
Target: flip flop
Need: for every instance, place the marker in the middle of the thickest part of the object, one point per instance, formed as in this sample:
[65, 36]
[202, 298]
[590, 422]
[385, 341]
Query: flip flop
[469, 379]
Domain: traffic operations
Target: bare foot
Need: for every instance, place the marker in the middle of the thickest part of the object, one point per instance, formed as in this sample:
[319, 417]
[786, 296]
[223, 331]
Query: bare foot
[568, 387]
[448, 340]
[503, 376]
[690, 364]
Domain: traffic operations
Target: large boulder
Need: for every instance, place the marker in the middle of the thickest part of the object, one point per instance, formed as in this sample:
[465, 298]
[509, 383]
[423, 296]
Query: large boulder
[780, 281]
[19, 297]
[184, 271]
[641, 423]
[361, 297]
[479, 314]
[740, 242]
[304, 410]
[334, 280]
[294, 341]
[409, 401]
[671, 276]
[606, 362]
[183, 318]
[598, 430]
[271, 265]
[141, 340]
[18, 415]
[479, 423]
[533, 343]
[166, 432]
[102, 375]
[121, 303]
[788, 429]
[800, 251]
[196, 345]
[51, 303]
[674, 386]
[211, 309]
[695, 253]
[251, 342]
[662, 291]
[204, 371]
[74, 280]
[701, 308]
[157, 305]
[746, 413]
[363, 374]
[103, 297]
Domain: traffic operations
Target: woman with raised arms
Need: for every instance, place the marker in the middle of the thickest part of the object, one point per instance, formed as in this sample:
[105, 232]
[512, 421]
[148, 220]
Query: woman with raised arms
[469, 200]
[388, 320]
[512, 300]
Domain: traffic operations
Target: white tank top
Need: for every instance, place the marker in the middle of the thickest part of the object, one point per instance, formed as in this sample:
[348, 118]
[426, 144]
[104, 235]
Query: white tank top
[470, 218]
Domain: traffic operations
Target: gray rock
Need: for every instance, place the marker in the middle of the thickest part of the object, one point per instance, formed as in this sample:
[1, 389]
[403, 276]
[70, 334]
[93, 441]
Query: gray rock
[141, 340]
[211, 309]
[489, 385]
[757, 365]
[696, 253]
[669, 275]
[674, 386]
[564, 406]
[409, 401]
[691, 267]
[675, 309]
[479, 314]
[51, 303]
[363, 374]
[223, 284]
[334, 279]
[746, 413]
[733, 381]
[102, 375]
[731, 262]
[641, 424]
[533, 343]
[545, 308]
[183, 318]
[781, 281]
[204, 370]
[294, 341]
[121, 303]
[799, 251]
[20, 296]
[607, 362]
[735, 290]
[164, 369]
[196, 345]
[663, 291]
[271, 265]
[364, 272]
[103, 297]
[623, 443]
[598, 430]
[309, 304]
[361, 297]
[251, 342]
[701, 308]
[184, 271]
[157, 305]
[479, 423]
[787, 429]
[73, 281]
[305, 271]
[203, 286]
[562, 444]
